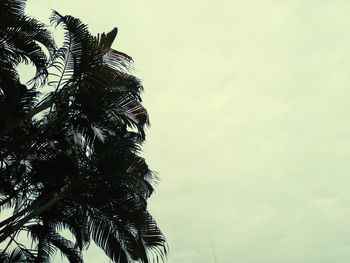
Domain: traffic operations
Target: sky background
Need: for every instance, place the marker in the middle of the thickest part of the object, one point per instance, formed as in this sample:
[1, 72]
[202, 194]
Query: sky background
[249, 104]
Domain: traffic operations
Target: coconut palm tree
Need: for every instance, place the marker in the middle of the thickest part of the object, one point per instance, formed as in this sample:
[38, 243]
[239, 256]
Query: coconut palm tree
[75, 165]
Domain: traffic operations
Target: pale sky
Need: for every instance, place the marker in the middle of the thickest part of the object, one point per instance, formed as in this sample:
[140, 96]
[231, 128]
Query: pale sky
[249, 104]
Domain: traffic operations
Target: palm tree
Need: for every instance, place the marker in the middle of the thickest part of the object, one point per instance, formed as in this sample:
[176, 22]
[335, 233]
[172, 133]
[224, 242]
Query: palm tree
[75, 165]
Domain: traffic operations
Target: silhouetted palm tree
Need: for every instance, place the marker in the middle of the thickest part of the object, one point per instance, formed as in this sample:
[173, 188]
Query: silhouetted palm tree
[69, 158]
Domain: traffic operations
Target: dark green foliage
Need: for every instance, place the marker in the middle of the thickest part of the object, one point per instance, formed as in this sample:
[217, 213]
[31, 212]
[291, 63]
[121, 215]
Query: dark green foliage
[69, 158]
[15, 256]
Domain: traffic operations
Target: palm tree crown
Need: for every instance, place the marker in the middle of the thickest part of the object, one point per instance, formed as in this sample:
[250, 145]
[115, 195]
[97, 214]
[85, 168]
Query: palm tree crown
[69, 157]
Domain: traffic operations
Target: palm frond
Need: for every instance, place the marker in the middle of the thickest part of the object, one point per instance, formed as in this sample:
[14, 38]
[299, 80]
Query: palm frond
[10, 9]
[103, 235]
[153, 238]
[48, 240]
[45, 249]
[15, 256]
[20, 40]
[66, 247]
[136, 236]
[79, 53]
[106, 40]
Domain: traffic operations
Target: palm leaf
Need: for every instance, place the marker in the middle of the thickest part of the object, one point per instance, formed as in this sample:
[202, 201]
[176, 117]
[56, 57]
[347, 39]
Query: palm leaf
[15, 256]
[104, 236]
[79, 52]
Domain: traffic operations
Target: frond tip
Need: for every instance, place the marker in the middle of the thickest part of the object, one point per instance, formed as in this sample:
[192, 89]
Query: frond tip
[106, 40]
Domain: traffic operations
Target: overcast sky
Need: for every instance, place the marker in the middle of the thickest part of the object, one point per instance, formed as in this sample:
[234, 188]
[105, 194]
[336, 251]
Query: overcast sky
[249, 104]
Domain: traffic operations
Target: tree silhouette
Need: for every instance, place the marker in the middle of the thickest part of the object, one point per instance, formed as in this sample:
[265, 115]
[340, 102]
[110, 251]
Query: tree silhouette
[69, 157]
